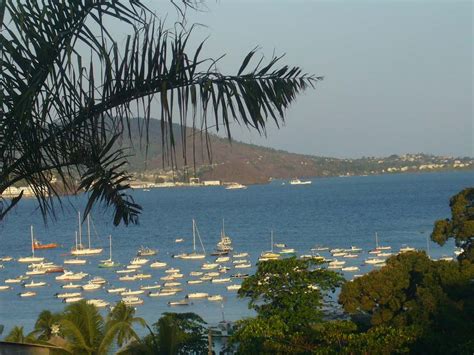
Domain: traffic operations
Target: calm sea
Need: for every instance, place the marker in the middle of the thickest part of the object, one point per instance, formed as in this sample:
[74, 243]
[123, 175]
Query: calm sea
[336, 212]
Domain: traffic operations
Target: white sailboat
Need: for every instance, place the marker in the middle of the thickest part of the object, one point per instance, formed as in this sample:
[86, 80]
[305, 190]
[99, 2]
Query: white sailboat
[75, 261]
[79, 249]
[109, 263]
[194, 255]
[225, 244]
[269, 255]
[33, 258]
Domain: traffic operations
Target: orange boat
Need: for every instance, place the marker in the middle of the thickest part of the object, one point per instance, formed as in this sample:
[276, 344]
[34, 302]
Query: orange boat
[37, 245]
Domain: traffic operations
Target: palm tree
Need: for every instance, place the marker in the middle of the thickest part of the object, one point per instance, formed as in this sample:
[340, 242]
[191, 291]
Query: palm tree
[45, 324]
[63, 115]
[120, 323]
[16, 335]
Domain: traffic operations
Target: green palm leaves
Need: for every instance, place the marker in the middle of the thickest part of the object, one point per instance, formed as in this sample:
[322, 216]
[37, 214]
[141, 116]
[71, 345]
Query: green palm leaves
[66, 115]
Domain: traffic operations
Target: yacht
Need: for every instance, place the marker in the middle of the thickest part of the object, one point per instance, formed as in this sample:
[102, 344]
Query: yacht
[145, 251]
[130, 292]
[79, 248]
[350, 268]
[68, 294]
[234, 287]
[4, 287]
[269, 255]
[220, 280]
[71, 285]
[215, 298]
[150, 287]
[235, 186]
[406, 248]
[116, 290]
[98, 302]
[241, 255]
[138, 261]
[225, 243]
[35, 284]
[158, 264]
[32, 258]
[91, 286]
[193, 255]
[197, 295]
[72, 299]
[162, 293]
[243, 266]
[194, 282]
[178, 303]
[71, 276]
[299, 182]
[132, 300]
[27, 294]
[109, 263]
[75, 261]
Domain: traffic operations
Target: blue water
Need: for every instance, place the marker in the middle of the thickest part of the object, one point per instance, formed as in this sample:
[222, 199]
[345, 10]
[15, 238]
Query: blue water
[337, 212]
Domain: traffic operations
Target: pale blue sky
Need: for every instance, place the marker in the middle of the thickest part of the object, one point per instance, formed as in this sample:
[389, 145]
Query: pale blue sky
[398, 74]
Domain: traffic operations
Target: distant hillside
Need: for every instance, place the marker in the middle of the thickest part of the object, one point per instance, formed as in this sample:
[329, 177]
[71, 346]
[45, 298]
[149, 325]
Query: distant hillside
[249, 164]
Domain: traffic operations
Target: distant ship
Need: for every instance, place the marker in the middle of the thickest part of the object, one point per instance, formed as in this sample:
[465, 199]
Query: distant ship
[299, 182]
[235, 186]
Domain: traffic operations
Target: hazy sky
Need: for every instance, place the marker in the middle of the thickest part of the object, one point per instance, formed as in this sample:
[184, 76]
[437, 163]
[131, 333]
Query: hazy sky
[398, 74]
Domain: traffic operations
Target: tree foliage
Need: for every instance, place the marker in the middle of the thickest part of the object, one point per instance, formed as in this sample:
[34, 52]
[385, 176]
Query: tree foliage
[460, 226]
[63, 113]
[433, 299]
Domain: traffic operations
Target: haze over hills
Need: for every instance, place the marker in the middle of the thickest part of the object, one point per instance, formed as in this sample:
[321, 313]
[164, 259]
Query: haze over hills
[248, 164]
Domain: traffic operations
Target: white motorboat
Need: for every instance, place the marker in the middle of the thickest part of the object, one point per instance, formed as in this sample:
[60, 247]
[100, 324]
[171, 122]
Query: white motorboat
[143, 276]
[194, 282]
[4, 287]
[68, 294]
[209, 266]
[132, 300]
[158, 264]
[150, 287]
[179, 240]
[197, 295]
[116, 290]
[338, 254]
[196, 273]
[139, 261]
[35, 272]
[287, 251]
[222, 259]
[215, 298]
[406, 248]
[206, 278]
[128, 278]
[79, 249]
[212, 274]
[299, 182]
[130, 292]
[240, 255]
[243, 266]
[172, 270]
[350, 256]
[71, 286]
[172, 284]
[235, 186]
[193, 255]
[72, 299]
[375, 261]
[134, 267]
[220, 280]
[6, 258]
[178, 303]
[71, 276]
[91, 286]
[98, 302]
[350, 268]
[162, 293]
[32, 258]
[75, 261]
[234, 287]
[34, 284]
[27, 294]
[125, 271]
[319, 248]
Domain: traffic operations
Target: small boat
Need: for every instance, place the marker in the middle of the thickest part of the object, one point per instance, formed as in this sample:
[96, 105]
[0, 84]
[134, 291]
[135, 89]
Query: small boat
[158, 264]
[178, 303]
[6, 258]
[212, 274]
[167, 278]
[128, 278]
[385, 254]
[116, 290]
[142, 276]
[172, 284]
[72, 299]
[150, 287]
[375, 261]
[132, 301]
[197, 295]
[32, 258]
[17, 280]
[130, 292]
[27, 294]
[37, 245]
[194, 282]
[172, 270]
[125, 271]
[51, 270]
[319, 248]
[4, 287]
[287, 251]
[98, 280]
[220, 280]
[145, 251]
[446, 258]
[235, 186]
[68, 294]
[234, 287]
[269, 255]
[350, 256]
[75, 261]
[225, 243]
[162, 293]
[209, 266]
[354, 249]
[109, 263]
[406, 248]
[206, 278]
[239, 276]
[71, 285]
[337, 250]
[91, 286]
[240, 255]
[134, 267]
[193, 255]
[379, 247]
[341, 253]
[138, 261]
[179, 240]
[222, 259]
[243, 266]
[35, 272]
[457, 251]
[224, 269]
[71, 276]
[280, 245]
[350, 268]
[336, 262]
[98, 302]
[196, 273]
[299, 182]
[34, 284]
[215, 298]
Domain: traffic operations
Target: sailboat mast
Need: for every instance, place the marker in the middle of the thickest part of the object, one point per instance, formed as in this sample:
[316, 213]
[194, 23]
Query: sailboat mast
[194, 236]
[223, 230]
[376, 241]
[80, 229]
[110, 242]
[88, 231]
[32, 246]
[75, 234]
[272, 241]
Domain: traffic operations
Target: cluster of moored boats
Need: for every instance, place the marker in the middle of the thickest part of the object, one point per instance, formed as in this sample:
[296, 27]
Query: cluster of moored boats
[215, 272]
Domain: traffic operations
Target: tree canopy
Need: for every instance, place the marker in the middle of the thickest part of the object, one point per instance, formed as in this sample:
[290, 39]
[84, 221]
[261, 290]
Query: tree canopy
[460, 226]
[63, 114]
